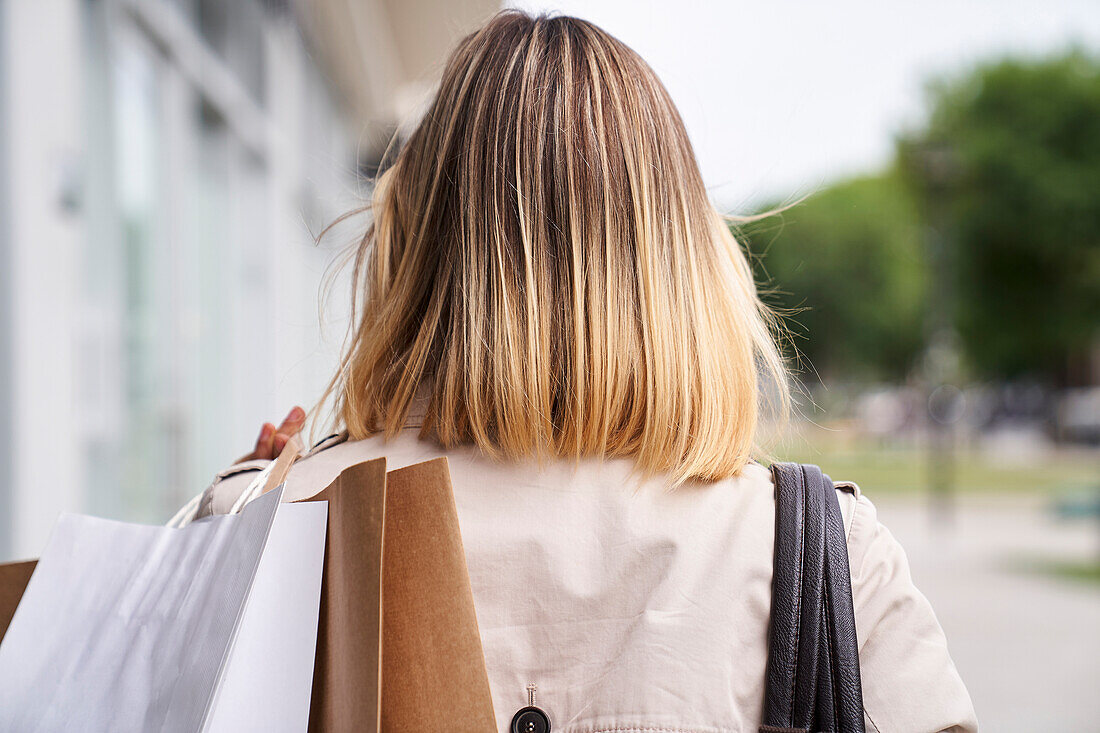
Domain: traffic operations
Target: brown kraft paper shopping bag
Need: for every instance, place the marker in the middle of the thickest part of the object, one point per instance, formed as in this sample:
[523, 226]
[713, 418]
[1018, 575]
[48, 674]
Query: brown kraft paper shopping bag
[347, 667]
[415, 587]
[433, 666]
[14, 577]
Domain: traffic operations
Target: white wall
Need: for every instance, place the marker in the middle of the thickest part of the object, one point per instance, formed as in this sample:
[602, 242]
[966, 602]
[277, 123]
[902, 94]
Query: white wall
[42, 139]
[127, 410]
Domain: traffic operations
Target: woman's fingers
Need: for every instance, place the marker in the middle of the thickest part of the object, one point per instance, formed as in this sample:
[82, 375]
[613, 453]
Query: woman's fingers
[292, 425]
[272, 440]
[266, 442]
[293, 422]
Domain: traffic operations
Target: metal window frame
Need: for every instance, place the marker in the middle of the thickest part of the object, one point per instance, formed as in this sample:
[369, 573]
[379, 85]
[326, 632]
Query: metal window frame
[204, 70]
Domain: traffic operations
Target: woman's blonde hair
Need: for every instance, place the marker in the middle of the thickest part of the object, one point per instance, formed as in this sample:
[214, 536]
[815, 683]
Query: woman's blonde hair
[544, 263]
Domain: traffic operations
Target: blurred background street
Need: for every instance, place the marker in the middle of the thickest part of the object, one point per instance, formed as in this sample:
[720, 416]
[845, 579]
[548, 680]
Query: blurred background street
[1021, 624]
[927, 180]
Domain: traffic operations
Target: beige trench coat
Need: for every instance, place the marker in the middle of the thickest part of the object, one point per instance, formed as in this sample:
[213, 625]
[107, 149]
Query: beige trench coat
[639, 610]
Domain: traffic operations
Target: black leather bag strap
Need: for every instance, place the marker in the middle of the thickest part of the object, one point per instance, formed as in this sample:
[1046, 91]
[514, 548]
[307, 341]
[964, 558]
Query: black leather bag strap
[847, 689]
[794, 637]
[812, 681]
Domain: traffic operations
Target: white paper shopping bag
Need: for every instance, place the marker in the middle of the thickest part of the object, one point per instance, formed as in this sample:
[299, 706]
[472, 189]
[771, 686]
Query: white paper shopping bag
[268, 679]
[129, 627]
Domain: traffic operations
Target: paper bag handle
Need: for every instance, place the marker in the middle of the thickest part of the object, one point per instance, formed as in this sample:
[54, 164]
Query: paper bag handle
[281, 467]
[271, 476]
[274, 474]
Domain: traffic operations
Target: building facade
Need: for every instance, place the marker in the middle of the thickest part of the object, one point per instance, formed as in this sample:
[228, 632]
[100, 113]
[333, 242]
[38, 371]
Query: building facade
[164, 167]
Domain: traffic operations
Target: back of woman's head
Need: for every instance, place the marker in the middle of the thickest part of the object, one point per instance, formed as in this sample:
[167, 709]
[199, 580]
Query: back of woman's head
[545, 265]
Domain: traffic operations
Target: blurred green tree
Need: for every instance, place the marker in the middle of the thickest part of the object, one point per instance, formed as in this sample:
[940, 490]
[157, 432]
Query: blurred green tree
[846, 269]
[1019, 208]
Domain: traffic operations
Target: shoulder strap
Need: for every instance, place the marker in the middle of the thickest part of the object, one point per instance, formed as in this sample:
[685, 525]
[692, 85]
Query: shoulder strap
[812, 681]
[847, 690]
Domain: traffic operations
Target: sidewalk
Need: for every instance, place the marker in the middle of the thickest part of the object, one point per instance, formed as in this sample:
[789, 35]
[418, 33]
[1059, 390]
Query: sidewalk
[1027, 644]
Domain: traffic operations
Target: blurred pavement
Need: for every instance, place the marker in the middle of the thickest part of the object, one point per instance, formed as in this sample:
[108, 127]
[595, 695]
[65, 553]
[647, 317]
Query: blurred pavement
[1026, 643]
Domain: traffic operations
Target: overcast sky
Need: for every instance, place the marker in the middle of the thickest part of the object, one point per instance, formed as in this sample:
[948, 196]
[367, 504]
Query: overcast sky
[781, 97]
